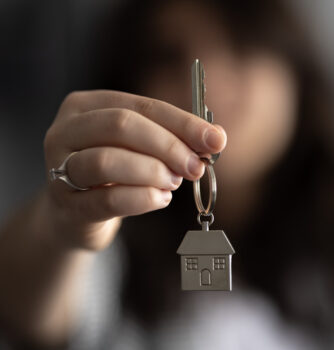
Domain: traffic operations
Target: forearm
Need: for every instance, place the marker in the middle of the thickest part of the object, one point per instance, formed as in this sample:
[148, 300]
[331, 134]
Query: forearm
[39, 276]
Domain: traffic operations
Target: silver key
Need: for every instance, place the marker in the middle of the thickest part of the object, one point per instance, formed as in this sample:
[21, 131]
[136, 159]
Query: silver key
[198, 98]
[206, 255]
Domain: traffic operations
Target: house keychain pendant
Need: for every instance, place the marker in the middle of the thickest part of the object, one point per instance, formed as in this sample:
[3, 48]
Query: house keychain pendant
[206, 255]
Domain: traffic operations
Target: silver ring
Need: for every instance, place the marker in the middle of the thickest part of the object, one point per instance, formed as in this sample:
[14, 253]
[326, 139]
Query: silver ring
[212, 191]
[61, 174]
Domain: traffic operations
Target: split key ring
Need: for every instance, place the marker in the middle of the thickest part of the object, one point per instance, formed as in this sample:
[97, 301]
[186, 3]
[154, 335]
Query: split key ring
[212, 190]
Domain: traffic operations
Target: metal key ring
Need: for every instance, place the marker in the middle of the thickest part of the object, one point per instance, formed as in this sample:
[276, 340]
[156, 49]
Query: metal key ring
[212, 190]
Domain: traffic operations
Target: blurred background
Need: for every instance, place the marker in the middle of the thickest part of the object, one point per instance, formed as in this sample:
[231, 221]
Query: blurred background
[46, 50]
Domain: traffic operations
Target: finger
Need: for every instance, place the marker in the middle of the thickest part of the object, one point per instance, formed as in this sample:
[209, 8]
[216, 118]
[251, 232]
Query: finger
[198, 134]
[96, 166]
[221, 129]
[120, 200]
[130, 130]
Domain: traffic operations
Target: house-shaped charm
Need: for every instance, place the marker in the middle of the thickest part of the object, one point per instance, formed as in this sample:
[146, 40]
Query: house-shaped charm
[206, 261]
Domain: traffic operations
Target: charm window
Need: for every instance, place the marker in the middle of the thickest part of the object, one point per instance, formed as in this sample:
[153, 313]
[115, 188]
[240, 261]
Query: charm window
[191, 264]
[219, 263]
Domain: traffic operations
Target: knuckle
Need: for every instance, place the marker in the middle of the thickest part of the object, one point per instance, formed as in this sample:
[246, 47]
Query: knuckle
[189, 123]
[101, 161]
[71, 103]
[73, 98]
[173, 147]
[145, 106]
[157, 170]
[122, 121]
[151, 197]
[49, 142]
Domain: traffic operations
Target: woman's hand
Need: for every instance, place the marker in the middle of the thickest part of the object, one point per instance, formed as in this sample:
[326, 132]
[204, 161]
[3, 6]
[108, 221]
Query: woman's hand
[132, 151]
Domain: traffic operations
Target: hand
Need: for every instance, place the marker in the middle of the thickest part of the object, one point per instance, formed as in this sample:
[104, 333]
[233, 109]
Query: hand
[132, 151]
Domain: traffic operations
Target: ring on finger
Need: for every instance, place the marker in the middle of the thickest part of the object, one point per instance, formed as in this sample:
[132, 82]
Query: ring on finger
[61, 173]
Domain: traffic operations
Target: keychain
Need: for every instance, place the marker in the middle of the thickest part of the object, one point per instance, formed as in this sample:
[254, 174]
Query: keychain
[206, 255]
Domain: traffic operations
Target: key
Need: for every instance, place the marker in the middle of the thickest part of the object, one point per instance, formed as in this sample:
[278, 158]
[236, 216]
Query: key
[199, 107]
[206, 255]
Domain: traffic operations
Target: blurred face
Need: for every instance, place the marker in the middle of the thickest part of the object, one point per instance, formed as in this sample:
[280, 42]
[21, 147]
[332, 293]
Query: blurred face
[253, 98]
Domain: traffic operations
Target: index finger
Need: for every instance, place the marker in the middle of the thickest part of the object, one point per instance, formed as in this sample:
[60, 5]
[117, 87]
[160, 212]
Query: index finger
[198, 134]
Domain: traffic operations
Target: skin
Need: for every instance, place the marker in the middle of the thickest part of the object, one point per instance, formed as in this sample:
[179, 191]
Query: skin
[141, 147]
[138, 147]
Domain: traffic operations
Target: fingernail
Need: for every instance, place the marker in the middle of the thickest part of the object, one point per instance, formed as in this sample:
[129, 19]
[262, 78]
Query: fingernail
[176, 180]
[213, 139]
[166, 196]
[195, 166]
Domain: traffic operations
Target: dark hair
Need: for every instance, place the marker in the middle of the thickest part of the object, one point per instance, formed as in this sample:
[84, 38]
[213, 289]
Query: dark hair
[293, 232]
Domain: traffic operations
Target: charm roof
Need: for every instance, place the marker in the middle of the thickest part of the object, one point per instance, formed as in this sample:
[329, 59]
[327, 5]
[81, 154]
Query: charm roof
[205, 243]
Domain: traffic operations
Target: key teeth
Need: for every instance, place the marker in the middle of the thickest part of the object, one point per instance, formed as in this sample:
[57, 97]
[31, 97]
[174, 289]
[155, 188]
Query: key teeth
[209, 116]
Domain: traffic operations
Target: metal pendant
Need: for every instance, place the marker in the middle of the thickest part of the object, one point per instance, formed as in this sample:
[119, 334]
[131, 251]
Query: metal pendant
[206, 260]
